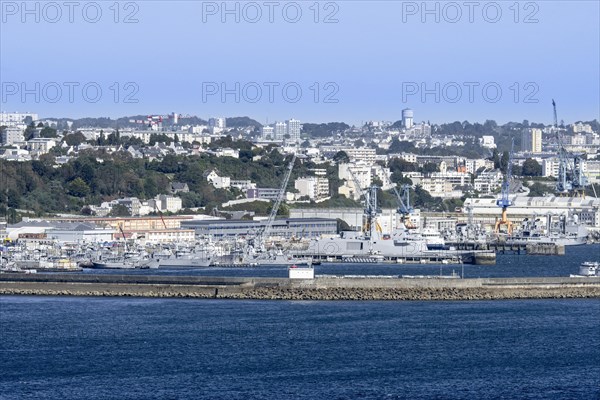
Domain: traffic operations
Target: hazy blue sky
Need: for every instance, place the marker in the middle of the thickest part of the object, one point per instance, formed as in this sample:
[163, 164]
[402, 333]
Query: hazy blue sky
[374, 61]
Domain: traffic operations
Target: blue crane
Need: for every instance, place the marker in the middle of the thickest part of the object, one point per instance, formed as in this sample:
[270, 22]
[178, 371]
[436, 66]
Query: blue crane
[504, 201]
[404, 207]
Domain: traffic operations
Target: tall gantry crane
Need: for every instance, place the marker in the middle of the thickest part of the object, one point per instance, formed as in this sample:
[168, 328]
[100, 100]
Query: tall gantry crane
[264, 233]
[571, 179]
[504, 201]
[563, 183]
[371, 209]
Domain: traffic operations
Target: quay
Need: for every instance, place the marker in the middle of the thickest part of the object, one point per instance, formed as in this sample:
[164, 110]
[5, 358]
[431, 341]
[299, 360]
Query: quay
[320, 288]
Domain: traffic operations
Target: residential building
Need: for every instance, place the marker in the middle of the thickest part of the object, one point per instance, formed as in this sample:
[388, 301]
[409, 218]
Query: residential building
[242, 185]
[227, 152]
[361, 154]
[168, 203]
[488, 181]
[16, 118]
[267, 132]
[314, 187]
[219, 182]
[39, 146]
[179, 187]
[531, 140]
[279, 131]
[407, 118]
[11, 135]
[263, 193]
[487, 142]
[293, 129]
[581, 128]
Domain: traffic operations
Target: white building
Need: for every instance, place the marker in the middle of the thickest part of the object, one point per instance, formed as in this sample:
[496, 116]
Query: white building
[170, 236]
[293, 129]
[361, 154]
[361, 172]
[407, 118]
[315, 187]
[12, 135]
[438, 187]
[15, 118]
[267, 132]
[487, 142]
[279, 131]
[587, 209]
[471, 166]
[218, 122]
[15, 155]
[242, 185]
[488, 182]
[219, 182]
[581, 128]
[453, 177]
[166, 203]
[550, 167]
[227, 152]
[531, 140]
[39, 146]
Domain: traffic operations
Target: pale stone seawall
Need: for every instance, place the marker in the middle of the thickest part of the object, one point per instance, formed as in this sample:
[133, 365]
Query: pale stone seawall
[321, 288]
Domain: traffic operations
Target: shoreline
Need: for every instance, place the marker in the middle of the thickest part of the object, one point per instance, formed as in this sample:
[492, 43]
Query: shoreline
[321, 288]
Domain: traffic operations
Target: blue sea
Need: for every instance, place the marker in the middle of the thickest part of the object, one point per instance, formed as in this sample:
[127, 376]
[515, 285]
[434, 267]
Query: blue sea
[132, 348]
[114, 348]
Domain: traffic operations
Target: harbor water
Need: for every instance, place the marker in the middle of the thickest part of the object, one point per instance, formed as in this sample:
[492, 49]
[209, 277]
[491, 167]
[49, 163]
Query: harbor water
[114, 348]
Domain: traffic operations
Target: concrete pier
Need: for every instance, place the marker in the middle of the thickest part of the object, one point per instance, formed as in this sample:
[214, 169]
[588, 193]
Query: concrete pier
[320, 288]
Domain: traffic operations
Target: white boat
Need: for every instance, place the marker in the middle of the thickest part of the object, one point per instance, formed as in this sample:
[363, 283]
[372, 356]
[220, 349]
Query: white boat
[588, 269]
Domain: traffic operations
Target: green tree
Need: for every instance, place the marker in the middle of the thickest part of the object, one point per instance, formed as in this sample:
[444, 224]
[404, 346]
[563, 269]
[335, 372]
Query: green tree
[48, 132]
[538, 190]
[78, 188]
[75, 139]
[531, 168]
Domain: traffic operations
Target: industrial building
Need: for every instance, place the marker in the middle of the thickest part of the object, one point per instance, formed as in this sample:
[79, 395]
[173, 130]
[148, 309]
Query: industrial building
[387, 220]
[587, 209]
[283, 228]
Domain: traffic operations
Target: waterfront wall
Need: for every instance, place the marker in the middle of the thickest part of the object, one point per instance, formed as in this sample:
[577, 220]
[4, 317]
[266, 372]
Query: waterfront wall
[322, 288]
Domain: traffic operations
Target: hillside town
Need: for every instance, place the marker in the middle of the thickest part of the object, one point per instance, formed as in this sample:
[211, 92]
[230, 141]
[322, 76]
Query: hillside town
[172, 179]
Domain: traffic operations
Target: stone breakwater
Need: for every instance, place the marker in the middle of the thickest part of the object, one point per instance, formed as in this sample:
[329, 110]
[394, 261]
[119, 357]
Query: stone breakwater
[318, 289]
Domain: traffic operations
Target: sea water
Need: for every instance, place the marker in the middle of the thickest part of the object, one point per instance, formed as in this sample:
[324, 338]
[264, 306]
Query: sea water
[119, 348]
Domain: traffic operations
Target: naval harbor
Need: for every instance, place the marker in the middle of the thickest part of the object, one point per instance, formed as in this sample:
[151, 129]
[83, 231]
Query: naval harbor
[59, 256]
[34, 249]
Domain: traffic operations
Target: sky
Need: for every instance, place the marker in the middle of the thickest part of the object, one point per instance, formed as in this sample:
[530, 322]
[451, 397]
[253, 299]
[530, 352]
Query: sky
[351, 61]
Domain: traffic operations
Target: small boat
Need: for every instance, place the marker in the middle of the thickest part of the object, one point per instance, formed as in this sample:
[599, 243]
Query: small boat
[588, 268]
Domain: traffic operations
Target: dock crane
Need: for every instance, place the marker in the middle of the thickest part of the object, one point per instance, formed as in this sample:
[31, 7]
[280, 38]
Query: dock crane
[563, 184]
[371, 209]
[504, 202]
[571, 179]
[264, 233]
[404, 208]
